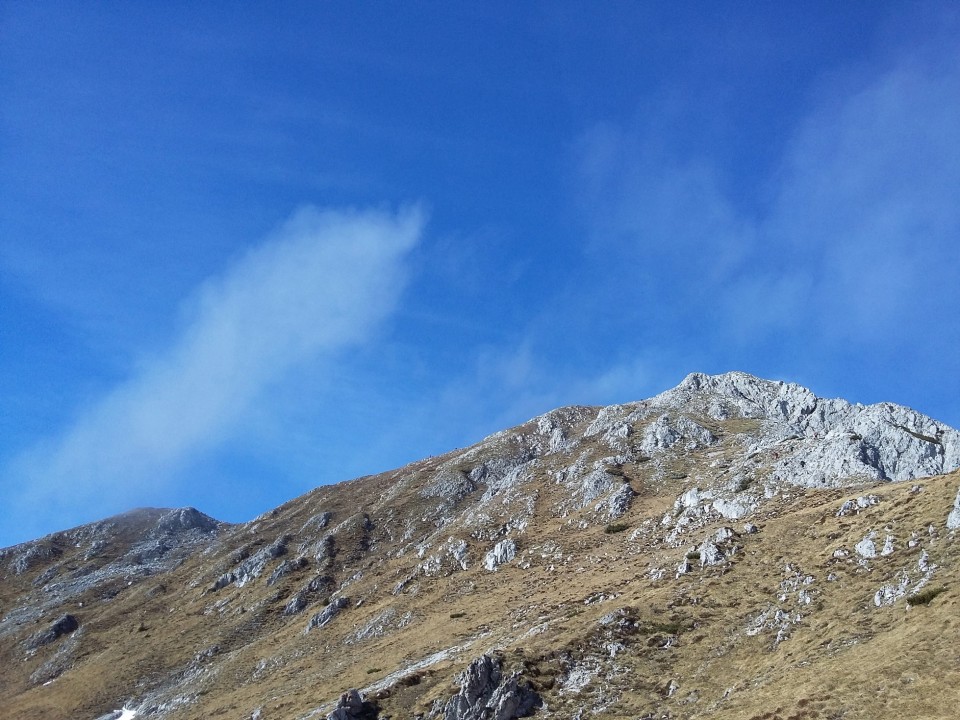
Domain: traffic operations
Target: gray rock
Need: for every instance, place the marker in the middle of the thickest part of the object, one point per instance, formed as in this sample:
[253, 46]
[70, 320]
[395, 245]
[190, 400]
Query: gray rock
[327, 614]
[710, 554]
[717, 548]
[888, 594]
[64, 625]
[184, 520]
[352, 706]
[853, 507]
[450, 484]
[619, 501]
[317, 522]
[485, 694]
[287, 567]
[503, 552]
[665, 432]
[252, 567]
[867, 548]
[32, 554]
[732, 509]
[953, 519]
[459, 551]
[822, 442]
[297, 604]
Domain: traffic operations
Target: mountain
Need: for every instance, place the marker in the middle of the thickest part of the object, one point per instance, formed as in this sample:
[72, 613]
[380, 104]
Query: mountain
[732, 548]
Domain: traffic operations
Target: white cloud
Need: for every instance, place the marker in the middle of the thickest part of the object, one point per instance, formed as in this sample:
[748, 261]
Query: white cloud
[852, 233]
[321, 283]
[868, 197]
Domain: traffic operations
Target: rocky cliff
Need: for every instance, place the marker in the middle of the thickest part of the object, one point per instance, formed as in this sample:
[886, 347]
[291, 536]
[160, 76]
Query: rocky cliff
[733, 547]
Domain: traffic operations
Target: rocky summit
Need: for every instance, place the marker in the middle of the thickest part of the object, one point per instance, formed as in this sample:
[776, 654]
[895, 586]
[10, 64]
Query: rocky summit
[731, 548]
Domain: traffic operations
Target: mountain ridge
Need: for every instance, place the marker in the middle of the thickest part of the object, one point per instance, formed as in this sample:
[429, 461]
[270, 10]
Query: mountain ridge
[351, 585]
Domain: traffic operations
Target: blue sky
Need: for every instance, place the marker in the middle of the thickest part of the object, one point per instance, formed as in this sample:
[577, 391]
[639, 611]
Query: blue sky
[247, 249]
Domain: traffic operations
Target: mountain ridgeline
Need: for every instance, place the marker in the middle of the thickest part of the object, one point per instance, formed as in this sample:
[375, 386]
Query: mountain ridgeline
[733, 547]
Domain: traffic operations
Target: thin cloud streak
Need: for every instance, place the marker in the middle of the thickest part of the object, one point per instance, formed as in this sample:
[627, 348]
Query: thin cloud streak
[321, 283]
[861, 221]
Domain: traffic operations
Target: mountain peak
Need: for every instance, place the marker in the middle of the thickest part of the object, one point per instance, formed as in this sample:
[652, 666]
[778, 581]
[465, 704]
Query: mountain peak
[620, 560]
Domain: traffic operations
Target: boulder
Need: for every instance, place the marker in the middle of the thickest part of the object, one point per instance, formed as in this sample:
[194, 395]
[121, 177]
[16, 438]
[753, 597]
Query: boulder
[853, 507]
[486, 694]
[352, 706]
[503, 552]
[867, 548]
[64, 625]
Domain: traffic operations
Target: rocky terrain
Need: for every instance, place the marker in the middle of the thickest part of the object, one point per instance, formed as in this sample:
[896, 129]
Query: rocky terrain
[733, 547]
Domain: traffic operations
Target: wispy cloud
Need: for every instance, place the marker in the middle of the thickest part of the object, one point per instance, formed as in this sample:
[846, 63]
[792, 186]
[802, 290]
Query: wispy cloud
[854, 227]
[318, 285]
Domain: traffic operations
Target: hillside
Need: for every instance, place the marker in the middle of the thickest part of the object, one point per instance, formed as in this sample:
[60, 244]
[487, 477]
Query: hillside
[733, 547]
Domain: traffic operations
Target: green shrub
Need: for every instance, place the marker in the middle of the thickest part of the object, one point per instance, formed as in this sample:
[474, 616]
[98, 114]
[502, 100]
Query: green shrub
[615, 528]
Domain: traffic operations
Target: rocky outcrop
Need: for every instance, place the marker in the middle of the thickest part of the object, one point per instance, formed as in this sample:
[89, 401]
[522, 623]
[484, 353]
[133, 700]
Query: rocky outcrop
[181, 520]
[28, 555]
[953, 519]
[287, 567]
[353, 706]
[823, 442]
[252, 567]
[327, 614]
[64, 625]
[503, 552]
[487, 694]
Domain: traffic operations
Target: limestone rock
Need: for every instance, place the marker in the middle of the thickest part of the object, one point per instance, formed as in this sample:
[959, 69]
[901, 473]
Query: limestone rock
[717, 548]
[732, 509]
[287, 567]
[953, 519]
[327, 614]
[64, 625]
[821, 442]
[252, 567]
[184, 520]
[318, 521]
[619, 501]
[503, 552]
[486, 694]
[867, 548]
[853, 507]
[352, 706]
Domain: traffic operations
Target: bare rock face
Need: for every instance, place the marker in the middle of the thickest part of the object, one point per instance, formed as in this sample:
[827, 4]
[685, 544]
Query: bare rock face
[823, 442]
[251, 568]
[486, 694]
[184, 520]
